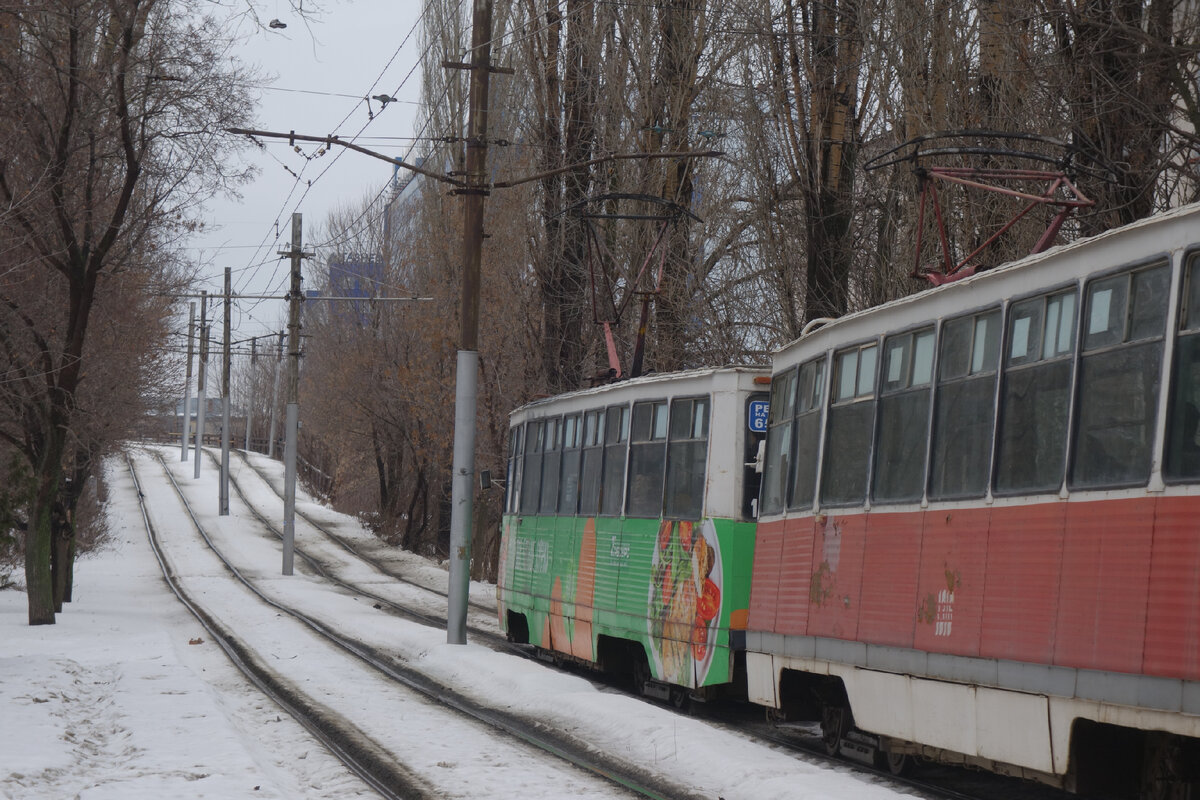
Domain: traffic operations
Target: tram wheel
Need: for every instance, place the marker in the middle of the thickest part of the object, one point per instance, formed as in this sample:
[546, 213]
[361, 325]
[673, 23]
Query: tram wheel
[680, 698]
[641, 672]
[835, 722]
[897, 764]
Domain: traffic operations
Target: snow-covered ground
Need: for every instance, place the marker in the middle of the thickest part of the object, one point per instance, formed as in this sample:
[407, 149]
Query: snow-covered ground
[126, 698]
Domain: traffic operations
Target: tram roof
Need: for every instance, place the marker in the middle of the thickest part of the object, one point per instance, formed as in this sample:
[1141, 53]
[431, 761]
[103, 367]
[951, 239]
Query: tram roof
[1138, 242]
[644, 386]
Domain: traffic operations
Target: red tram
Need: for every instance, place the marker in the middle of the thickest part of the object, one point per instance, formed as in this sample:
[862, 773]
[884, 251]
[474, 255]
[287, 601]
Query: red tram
[979, 523]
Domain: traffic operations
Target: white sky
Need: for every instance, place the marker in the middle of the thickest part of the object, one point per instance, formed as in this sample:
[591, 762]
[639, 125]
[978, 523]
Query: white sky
[127, 697]
[360, 48]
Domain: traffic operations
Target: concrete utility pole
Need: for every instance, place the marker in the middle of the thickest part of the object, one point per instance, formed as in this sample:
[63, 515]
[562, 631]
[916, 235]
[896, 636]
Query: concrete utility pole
[201, 387]
[462, 490]
[275, 398]
[292, 421]
[187, 386]
[223, 503]
[249, 399]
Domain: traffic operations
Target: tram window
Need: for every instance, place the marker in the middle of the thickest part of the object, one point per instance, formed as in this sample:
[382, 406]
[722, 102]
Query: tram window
[1182, 457]
[591, 471]
[1106, 312]
[1036, 397]
[964, 407]
[515, 434]
[687, 452]
[808, 433]
[615, 442]
[985, 348]
[1149, 315]
[647, 458]
[777, 469]
[847, 375]
[568, 491]
[1192, 311]
[1059, 337]
[970, 346]
[848, 440]
[903, 417]
[1183, 432]
[551, 465]
[532, 483]
[1119, 379]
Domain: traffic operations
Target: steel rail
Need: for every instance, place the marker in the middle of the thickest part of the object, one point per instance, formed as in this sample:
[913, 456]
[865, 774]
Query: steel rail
[350, 548]
[579, 754]
[497, 641]
[368, 770]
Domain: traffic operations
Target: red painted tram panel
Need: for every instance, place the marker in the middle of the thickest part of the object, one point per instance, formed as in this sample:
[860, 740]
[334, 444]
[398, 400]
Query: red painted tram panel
[764, 585]
[891, 564]
[796, 559]
[1105, 579]
[1023, 566]
[1109, 585]
[1173, 599]
[949, 598]
[835, 585]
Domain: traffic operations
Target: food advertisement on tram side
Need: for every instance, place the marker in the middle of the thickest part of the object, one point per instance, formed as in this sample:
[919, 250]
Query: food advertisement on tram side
[685, 600]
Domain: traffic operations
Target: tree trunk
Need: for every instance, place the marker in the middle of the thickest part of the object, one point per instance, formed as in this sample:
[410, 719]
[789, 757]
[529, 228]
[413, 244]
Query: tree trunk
[40, 536]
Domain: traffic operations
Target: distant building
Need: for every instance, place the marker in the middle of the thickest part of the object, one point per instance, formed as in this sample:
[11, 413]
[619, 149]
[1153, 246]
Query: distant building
[166, 422]
[406, 191]
[355, 275]
[212, 408]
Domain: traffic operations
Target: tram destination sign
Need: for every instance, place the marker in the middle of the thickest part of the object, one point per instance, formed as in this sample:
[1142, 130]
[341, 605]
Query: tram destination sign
[756, 416]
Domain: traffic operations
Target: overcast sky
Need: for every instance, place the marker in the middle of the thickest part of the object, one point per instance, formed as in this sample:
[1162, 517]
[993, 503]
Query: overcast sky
[315, 79]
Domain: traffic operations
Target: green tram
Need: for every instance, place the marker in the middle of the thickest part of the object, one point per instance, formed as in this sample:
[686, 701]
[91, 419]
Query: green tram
[628, 532]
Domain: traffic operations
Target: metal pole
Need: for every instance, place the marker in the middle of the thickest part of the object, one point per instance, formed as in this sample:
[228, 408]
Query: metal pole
[223, 504]
[275, 398]
[293, 401]
[201, 387]
[462, 487]
[187, 386]
[249, 395]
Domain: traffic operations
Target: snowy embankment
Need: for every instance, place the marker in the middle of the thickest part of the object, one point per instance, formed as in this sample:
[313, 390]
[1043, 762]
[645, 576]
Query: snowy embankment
[116, 702]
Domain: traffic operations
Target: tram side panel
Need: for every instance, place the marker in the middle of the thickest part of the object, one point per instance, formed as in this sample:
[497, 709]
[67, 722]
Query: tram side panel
[1172, 646]
[835, 584]
[1102, 599]
[1109, 588]
[891, 567]
[674, 587]
[766, 600]
[1024, 562]
[1096, 585]
[953, 557]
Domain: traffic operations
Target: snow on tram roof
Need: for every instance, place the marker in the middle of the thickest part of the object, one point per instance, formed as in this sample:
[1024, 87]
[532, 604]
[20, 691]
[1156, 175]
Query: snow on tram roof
[963, 295]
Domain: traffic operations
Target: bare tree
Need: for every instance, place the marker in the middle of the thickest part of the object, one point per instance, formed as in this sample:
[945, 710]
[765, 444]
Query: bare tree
[109, 135]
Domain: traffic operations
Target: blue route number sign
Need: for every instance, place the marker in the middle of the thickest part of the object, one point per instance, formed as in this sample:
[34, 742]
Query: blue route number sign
[757, 416]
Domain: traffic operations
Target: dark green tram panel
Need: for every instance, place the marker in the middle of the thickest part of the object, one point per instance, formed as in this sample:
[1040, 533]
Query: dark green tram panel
[630, 514]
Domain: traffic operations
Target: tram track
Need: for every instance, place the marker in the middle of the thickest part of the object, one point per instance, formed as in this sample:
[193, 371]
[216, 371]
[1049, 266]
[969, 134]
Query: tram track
[380, 770]
[324, 568]
[387, 779]
[349, 546]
